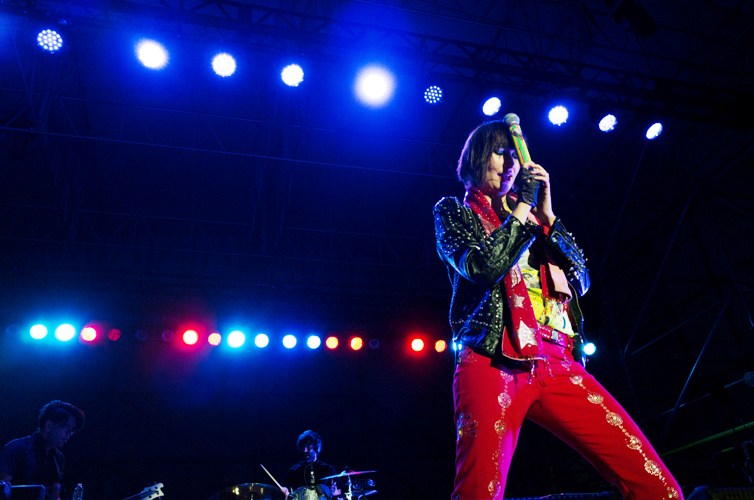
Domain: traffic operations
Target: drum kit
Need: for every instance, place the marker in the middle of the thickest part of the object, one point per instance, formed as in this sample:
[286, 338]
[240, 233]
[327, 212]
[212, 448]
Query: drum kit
[342, 486]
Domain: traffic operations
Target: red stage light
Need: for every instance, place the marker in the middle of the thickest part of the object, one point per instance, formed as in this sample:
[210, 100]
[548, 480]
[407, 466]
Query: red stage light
[332, 342]
[88, 334]
[114, 335]
[356, 343]
[190, 337]
[417, 344]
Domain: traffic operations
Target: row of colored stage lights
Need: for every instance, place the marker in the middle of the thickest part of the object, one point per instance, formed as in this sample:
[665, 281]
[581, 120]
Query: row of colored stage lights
[235, 339]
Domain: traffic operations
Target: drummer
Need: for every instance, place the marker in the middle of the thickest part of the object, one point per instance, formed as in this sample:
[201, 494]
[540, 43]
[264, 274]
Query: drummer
[307, 473]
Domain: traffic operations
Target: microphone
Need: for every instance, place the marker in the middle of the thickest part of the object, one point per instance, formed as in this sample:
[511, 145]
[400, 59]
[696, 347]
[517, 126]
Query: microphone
[514, 125]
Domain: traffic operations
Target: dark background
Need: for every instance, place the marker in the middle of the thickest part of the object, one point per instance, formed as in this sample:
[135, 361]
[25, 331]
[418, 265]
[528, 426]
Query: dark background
[148, 201]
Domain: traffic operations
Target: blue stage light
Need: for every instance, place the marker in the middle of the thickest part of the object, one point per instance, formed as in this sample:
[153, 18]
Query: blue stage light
[491, 106]
[289, 341]
[223, 64]
[558, 115]
[589, 348]
[608, 123]
[65, 332]
[152, 54]
[374, 86]
[654, 131]
[236, 339]
[262, 340]
[292, 75]
[49, 40]
[313, 341]
[38, 331]
[433, 94]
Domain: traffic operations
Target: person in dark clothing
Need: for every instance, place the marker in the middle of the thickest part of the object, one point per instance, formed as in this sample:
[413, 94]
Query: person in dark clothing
[304, 479]
[37, 459]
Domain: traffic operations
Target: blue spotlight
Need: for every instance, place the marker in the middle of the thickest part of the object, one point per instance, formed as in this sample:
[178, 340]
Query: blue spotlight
[433, 94]
[49, 40]
[589, 348]
[558, 115]
[289, 341]
[313, 341]
[262, 340]
[292, 75]
[491, 106]
[65, 332]
[236, 339]
[38, 331]
[152, 54]
[374, 86]
[223, 64]
[654, 131]
[608, 123]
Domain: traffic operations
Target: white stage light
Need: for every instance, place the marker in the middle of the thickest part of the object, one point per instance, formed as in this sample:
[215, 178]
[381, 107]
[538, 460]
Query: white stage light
[654, 131]
[223, 64]
[608, 123]
[491, 106]
[152, 54]
[292, 75]
[558, 115]
[374, 86]
[49, 40]
[433, 94]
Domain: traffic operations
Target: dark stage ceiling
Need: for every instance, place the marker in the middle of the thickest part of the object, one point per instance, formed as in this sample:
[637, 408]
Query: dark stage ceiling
[145, 198]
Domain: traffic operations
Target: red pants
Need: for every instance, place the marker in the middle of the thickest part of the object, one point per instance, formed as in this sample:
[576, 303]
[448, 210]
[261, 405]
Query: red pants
[492, 401]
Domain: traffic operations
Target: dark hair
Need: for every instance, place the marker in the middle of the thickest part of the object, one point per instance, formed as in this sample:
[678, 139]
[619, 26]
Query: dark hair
[309, 437]
[58, 412]
[480, 144]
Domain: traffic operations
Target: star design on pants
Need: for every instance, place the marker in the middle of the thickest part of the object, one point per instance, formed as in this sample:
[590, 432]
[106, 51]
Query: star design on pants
[525, 335]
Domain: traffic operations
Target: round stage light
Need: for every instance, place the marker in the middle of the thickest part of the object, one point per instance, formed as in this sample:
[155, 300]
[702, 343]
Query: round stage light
[114, 335]
[433, 94]
[558, 115]
[38, 331]
[214, 339]
[88, 334]
[332, 342]
[441, 346]
[289, 341]
[417, 345]
[374, 86]
[65, 332]
[654, 131]
[236, 339]
[292, 75]
[49, 40]
[313, 342]
[190, 337]
[223, 64]
[356, 343]
[589, 348]
[262, 340]
[491, 106]
[608, 123]
[152, 54]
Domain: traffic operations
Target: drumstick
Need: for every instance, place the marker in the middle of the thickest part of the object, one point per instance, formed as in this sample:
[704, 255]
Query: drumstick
[273, 479]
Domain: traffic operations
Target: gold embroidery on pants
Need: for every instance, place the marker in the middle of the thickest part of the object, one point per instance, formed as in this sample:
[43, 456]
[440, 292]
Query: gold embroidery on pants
[632, 442]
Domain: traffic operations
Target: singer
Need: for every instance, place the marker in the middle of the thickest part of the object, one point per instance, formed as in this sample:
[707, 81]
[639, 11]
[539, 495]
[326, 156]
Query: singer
[515, 274]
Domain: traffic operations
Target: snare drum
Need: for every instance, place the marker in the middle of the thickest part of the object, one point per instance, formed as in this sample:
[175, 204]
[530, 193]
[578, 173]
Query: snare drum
[318, 492]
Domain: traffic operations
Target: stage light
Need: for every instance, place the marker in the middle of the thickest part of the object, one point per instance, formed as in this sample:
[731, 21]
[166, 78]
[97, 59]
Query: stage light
[374, 344]
[654, 131]
[374, 86]
[152, 54]
[558, 115]
[38, 331]
[441, 346]
[292, 75]
[88, 334]
[589, 348]
[49, 40]
[214, 339]
[236, 339]
[114, 335]
[608, 123]
[190, 337]
[433, 94]
[65, 332]
[223, 64]
[491, 106]
[331, 342]
[289, 341]
[356, 343]
[457, 346]
[417, 345]
[313, 342]
[167, 335]
[262, 340]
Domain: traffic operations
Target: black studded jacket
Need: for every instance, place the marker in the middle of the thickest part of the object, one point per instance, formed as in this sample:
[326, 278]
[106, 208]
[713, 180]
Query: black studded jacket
[477, 262]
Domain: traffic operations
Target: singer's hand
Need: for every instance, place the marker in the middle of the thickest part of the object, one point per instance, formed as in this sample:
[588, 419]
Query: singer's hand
[543, 209]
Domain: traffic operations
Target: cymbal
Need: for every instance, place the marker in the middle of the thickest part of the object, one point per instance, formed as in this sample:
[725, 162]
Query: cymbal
[350, 473]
